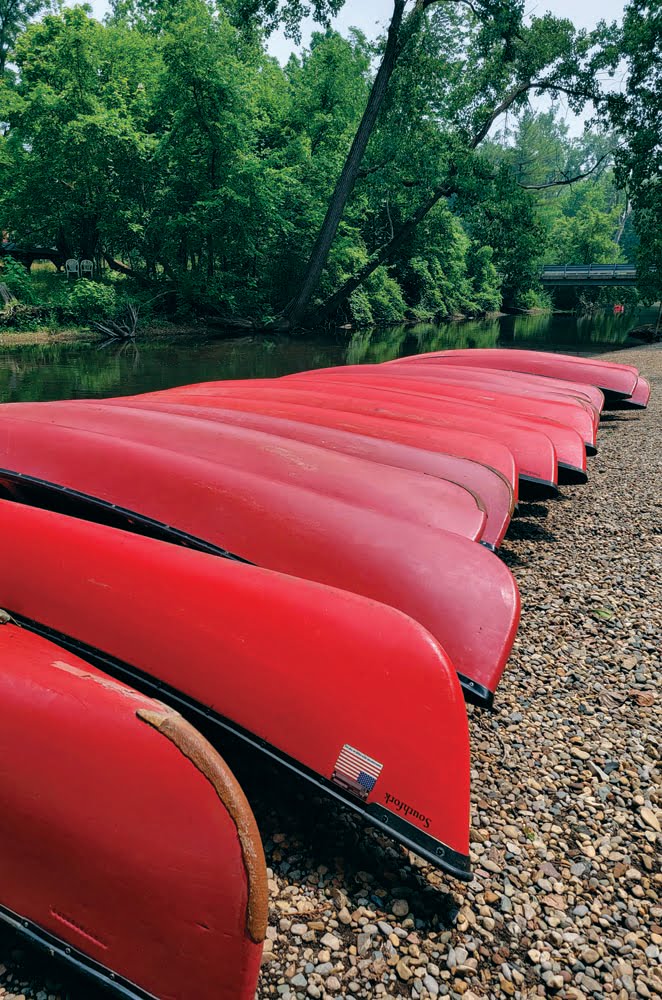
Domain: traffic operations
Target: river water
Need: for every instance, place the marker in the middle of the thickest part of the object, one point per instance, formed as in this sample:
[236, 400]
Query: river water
[69, 371]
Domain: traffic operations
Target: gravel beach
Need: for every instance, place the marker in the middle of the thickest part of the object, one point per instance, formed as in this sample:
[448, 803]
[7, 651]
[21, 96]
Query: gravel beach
[566, 817]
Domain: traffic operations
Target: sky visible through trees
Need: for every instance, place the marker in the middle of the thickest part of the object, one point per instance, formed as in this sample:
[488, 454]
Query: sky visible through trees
[370, 17]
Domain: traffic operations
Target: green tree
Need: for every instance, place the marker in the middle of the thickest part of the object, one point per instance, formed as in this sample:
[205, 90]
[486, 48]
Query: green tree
[14, 16]
[268, 15]
[167, 141]
[490, 74]
[260, 17]
[501, 20]
[75, 151]
[636, 114]
[586, 237]
[503, 216]
[569, 209]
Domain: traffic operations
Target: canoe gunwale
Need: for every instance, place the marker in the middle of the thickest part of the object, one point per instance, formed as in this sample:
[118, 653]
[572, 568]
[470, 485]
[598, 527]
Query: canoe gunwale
[434, 851]
[82, 963]
[531, 488]
[571, 475]
[130, 519]
[474, 693]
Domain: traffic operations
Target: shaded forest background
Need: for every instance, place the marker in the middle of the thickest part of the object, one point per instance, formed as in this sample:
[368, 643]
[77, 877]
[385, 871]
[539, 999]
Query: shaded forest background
[168, 145]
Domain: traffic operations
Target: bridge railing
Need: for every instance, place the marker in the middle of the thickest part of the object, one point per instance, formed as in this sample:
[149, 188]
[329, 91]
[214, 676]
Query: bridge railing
[589, 272]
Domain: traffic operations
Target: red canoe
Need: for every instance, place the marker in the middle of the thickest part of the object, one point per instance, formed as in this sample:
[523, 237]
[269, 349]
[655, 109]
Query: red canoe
[243, 512]
[490, 486]
[233, 470]
[440, 441]
[127, 848]
[562, 405]
[533, 451]
[615, 381]
[496, 378]
[568, 445]
[639, 398]
[574, 414]
[224, 642]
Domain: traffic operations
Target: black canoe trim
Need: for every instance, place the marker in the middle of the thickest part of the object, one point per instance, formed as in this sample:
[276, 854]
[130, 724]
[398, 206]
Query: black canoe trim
[110, 514]
[613, 398]
[626, 404]
[86, 506]
[570, 475]
[435, 851]
[532, 488]
[591, 449]
[81, 962]
[475, 693]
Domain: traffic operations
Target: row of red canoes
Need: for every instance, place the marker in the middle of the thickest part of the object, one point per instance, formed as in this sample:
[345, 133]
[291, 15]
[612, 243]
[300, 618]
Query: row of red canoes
[293, 561]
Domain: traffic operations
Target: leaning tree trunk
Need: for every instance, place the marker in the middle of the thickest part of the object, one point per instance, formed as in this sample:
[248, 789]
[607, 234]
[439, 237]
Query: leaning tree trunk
[335, 301]
[296, 309]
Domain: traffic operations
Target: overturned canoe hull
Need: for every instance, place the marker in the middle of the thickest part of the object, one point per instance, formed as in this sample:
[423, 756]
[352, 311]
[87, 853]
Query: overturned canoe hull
[235, 470]
[498, 378]
[441, 441]
[615, 381]
[639, 398]
[570, 427]
[92, 774]
[533, 451]
[316, 536]
[492, 488]
[223, 642]
[579, 414]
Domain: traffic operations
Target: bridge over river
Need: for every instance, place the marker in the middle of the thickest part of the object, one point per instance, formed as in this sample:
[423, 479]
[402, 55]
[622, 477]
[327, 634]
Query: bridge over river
[596, 275]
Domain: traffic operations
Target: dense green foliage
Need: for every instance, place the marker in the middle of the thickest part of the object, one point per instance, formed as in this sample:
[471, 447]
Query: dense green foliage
[636, 116]
[560, 220]
[170, 145]
[14, 17]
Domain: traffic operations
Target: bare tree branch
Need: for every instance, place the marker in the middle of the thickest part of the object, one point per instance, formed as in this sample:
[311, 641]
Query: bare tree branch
[568, 180]
[506, 103]
[367, 171]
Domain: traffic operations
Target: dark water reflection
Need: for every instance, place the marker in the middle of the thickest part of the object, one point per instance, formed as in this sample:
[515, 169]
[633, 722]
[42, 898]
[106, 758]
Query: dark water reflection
[66, 371]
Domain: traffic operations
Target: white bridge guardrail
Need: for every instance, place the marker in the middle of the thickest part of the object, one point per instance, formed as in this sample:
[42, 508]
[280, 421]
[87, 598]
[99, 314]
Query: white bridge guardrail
[596, 273]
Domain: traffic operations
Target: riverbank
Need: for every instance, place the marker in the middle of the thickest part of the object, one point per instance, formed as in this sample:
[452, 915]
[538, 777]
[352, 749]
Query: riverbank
[84, 335]
[32, 338]
[533, 328]
[566, 896]
[167, 331]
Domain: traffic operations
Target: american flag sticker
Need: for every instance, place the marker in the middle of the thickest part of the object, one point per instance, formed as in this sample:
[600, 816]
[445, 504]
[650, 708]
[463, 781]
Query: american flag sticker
[356, 772]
